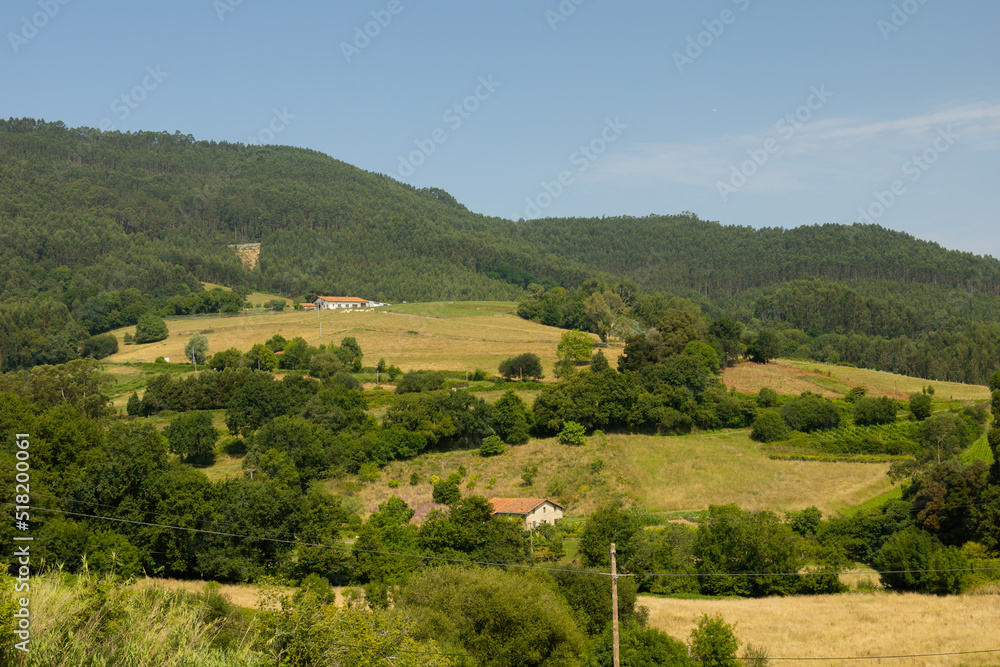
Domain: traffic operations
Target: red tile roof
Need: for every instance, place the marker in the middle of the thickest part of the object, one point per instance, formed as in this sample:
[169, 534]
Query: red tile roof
[518, 505]
[343, 299]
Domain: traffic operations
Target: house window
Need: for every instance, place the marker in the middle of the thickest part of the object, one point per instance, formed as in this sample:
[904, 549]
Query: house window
[544, 510]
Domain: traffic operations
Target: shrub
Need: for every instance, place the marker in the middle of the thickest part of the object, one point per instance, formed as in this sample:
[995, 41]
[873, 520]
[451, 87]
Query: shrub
[528, 472]
[913, 560]
[100, 346]
[492, 446]
[768, 427]
[872, 411]
[714, 642]
[414, 479]
[416, 381]
[572, 434]
[150, 329]
[920, 406]
[767, 397]
[809, 413]
[446, 492]
[855, 393]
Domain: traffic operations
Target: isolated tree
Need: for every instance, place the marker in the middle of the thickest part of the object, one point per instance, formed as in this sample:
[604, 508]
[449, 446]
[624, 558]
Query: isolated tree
[196, 349]
[920, 406]
[192, 436]
[527, 365]
[150, 329]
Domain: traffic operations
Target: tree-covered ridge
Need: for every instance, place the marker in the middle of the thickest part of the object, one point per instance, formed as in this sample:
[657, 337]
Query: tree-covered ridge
[97, 228]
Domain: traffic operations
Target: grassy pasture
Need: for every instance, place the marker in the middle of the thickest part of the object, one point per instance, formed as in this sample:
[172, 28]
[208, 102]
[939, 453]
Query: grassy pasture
[662, 474]
[446, 336]
[852, 625]
[792, 377]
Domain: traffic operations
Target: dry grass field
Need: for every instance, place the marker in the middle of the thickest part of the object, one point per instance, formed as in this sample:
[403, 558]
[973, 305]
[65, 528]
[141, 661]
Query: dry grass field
[791, 377]
[442, 336]
[662, 474]
[854, 625]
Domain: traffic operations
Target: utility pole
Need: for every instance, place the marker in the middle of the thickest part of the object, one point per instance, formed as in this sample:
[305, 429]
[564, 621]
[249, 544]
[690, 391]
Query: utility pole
[614, 607]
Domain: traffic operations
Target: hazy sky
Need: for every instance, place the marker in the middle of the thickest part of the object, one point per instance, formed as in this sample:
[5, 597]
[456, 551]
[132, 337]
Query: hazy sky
[778, 113]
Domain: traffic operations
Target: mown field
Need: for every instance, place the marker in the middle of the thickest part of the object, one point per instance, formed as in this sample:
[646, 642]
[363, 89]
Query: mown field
[792, 377]
[855, 625]
[437, 336]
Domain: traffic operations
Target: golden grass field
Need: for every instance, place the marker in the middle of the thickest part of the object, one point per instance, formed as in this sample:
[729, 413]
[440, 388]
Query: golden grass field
[852, 625]
[442, 336]
[787, 376]
[662, 474]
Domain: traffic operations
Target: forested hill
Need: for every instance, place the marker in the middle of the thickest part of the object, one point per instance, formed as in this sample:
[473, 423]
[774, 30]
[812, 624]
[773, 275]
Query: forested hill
[683, 252]
[95, 227]
[78, 197]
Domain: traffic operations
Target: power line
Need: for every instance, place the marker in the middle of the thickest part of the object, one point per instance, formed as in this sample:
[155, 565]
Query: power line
[495, 563]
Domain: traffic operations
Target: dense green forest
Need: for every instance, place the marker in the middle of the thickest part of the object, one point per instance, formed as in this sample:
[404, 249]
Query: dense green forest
[97, 229]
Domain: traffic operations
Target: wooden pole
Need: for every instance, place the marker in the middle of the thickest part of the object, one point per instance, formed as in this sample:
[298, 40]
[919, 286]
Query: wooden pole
[614, 607]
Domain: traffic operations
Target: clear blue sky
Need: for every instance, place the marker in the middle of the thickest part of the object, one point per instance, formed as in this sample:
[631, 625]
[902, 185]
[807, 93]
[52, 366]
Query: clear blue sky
[678, 104]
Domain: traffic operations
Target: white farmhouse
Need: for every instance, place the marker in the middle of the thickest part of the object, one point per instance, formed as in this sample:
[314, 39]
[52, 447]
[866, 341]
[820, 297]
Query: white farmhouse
[335, 302]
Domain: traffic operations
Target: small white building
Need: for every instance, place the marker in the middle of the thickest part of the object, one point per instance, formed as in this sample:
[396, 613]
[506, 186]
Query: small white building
[336, 302]
[534, 511]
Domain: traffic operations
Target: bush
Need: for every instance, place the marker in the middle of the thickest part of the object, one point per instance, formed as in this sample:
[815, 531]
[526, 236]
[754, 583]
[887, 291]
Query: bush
[714, 642]
[572, 434]
[855, 393]
[416, 381]
[492, 446]
[768, 427]
[907, 558]
[872, 411]
[920, 406]
[100, 346]
[414, 479]
[809, 413]
[767, 397]
[150, 329]
[446, 492]
[527, 365]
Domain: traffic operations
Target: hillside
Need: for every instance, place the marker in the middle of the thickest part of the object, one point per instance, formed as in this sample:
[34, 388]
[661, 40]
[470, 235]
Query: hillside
[96, 228]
